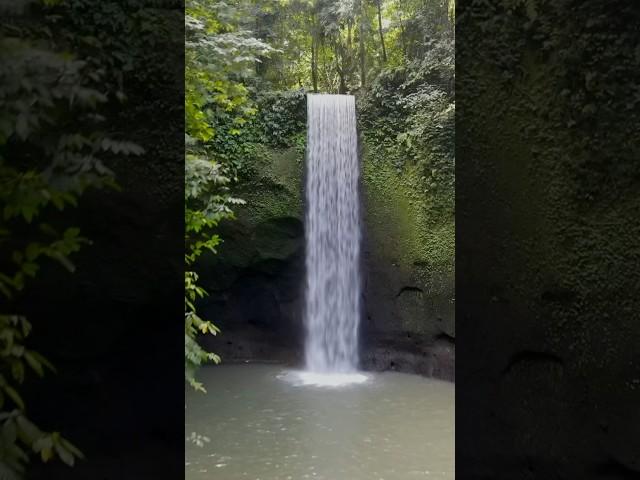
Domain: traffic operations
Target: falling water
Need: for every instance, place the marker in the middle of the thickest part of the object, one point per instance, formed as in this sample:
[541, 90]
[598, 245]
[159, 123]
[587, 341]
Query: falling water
[332, 303]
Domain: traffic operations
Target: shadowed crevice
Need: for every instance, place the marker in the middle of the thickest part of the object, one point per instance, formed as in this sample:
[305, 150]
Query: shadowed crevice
[532, 357]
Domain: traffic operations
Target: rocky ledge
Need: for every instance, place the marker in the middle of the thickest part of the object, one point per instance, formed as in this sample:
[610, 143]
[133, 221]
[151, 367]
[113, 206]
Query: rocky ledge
[434, 359]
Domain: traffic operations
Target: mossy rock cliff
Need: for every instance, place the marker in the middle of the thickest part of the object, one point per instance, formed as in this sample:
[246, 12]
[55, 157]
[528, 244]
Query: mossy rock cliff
[257, 277]
[408, 276]
[408, 253]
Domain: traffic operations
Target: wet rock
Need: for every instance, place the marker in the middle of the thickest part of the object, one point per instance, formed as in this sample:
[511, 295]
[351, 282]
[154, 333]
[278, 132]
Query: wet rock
[411, 354]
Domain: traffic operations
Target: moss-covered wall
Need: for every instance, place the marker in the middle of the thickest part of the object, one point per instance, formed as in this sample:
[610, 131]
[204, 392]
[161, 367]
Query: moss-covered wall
[273, 186]
[255, 280]
[409, 251]
[548, 240]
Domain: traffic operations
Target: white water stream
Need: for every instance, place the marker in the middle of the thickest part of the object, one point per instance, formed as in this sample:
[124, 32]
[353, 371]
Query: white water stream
[333, 232]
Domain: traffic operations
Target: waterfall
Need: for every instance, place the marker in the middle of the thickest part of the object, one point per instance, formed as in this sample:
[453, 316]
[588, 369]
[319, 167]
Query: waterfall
[332, 234]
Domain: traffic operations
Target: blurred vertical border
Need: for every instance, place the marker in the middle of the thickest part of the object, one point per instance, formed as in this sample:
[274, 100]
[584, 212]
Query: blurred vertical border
[547, 239]
[91, 239]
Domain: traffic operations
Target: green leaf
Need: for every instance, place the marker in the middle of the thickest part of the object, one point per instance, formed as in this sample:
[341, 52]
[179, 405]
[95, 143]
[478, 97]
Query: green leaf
[46, 454]
[64, 260]
[42, 360]
[44, 442]
[13, 394]
[9, 431]
[34, 363]
[72, 448]
[32, 251]
[30, 269]
[64, 454]
[17, 371]
[31, 434]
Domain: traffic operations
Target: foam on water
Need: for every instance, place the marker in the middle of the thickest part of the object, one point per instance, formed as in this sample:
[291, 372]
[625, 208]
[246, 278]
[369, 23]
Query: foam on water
[301, 378]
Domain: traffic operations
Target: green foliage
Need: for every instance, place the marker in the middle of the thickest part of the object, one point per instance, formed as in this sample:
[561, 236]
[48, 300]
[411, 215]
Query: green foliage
[219, 57]
[206, 204]
[54, 100]
[279, 122]
[282, 116]
[408, 119]
[195, 355]
[406, 106]
[19, 435]
[336, 46]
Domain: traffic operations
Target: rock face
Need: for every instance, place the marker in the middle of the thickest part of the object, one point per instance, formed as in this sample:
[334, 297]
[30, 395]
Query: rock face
[256, 282]
[409, 304]
[548, 304]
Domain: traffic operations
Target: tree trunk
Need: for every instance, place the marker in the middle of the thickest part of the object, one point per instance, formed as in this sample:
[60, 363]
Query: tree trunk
[349, 64]
[343, 71]
[403, 36]
[259, 64]
[384, 50]
[361, 30]
[314, 63]
[363, 67]
[342, 88]
[362, 51]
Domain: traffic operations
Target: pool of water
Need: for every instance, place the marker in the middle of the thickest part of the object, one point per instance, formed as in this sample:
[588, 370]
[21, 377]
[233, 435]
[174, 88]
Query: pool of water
[262, 422]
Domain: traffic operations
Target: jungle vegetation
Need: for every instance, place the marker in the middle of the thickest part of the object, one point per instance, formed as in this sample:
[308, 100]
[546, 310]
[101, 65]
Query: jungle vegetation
[249, 66]
[69, 68]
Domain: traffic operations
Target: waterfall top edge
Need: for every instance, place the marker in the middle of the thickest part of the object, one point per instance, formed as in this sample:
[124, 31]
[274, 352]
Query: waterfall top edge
[342, 95]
